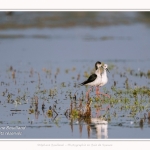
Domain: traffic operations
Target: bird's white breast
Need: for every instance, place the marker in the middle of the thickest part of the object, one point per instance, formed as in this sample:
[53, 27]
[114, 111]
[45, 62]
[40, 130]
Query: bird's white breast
[101, 78]
[104, 80]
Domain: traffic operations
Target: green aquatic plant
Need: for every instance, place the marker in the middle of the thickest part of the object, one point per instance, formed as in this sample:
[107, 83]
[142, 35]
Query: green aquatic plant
[31, 111]
[63, 84]
[74, 114]
[53, 92]
[111, 66]
[86, 75]
[49, 113]
[148, 73]
[9, 96]
[67, 70]
[95, 99]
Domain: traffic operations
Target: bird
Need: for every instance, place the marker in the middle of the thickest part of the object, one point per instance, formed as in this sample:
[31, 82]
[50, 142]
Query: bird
[98, 79]
[103, 79]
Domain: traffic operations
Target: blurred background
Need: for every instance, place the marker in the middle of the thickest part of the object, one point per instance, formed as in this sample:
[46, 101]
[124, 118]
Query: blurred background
[23, 20]
[80, 35]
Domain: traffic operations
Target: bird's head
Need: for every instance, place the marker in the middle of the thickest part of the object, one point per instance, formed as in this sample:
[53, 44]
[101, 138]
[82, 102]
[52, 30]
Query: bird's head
[98, 64]
[105, 66]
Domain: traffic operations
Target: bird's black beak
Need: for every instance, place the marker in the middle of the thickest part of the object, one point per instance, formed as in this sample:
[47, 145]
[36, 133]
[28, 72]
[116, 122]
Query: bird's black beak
[107, 70]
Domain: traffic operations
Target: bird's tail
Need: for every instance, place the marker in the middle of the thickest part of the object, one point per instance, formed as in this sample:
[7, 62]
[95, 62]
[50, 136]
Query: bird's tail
[81, 84]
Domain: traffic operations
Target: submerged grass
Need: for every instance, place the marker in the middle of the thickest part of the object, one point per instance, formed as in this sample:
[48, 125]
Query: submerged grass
[125, 103]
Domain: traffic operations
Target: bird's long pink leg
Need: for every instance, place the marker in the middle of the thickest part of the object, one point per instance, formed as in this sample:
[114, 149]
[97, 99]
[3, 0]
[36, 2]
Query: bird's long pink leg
[87, 93]
[99, 93]
[97, 90]
[97, 112]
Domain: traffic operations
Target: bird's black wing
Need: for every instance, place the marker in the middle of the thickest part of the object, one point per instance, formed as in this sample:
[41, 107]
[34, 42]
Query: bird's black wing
[90, 79]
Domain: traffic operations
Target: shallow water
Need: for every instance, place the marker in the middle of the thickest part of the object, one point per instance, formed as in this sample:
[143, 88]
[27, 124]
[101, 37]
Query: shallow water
[52, 58]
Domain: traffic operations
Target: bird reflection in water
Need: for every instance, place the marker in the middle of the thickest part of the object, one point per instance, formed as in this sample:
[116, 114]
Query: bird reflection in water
[100, 127]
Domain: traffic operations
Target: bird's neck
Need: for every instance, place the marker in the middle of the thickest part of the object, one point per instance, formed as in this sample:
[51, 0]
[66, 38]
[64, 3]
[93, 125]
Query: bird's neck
[104, 73]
